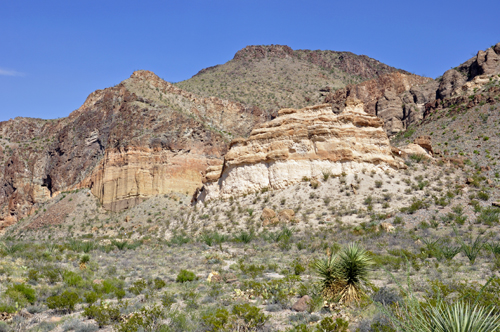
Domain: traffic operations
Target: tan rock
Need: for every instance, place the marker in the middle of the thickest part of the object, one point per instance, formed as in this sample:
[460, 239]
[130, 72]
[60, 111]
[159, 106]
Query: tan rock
[304, 143]
[270, 222]
[302, 304]
[385, 226]
[425, 142]
[267, 213]
[286, 215]
[416, 150]
[497, 204]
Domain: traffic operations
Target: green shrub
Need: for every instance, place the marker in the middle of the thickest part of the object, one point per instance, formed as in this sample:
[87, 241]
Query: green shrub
[185, 276]
[216, 320]
[138, 286]
[297, 267]
[7, 308]
[72, 279]
[103, 314]
[482, 195]
[158, 283]
[21, 293]
[66, 301]
[251, 315]
[147, 320]
[91, 297]
[327, 324]
[489, 216]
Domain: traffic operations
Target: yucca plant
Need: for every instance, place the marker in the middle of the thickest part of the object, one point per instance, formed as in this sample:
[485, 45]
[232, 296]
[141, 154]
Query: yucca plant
[412, 315]
[494, 247]
[346, 274]
[121, 245]
[473, 249]
[462, 317]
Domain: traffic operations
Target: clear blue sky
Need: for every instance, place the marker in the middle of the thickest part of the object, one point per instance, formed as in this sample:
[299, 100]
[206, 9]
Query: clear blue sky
[54, 53]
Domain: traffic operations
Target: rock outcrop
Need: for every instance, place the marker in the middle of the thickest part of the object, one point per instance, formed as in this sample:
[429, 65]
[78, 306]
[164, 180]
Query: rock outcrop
[402, 100]
[381, 96]
[139, 138]
[303, 143]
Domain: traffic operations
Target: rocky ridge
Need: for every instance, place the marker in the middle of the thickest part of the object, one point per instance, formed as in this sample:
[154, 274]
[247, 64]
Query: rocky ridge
[305, 143]
[402, 101]
[139, 138]
[273, 77]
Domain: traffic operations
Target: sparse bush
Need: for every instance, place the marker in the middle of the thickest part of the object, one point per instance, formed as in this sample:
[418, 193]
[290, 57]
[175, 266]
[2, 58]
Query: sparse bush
[185, 276]
[489, 216]
[387, 296]
[66, 301]
[148, 319]
[103, 314]
[251, 315]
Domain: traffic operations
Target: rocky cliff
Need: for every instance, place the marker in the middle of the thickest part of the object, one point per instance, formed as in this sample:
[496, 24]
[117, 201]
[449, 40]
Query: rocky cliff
[302, 143]
[139, 138]
[381, 96]
[403, 100]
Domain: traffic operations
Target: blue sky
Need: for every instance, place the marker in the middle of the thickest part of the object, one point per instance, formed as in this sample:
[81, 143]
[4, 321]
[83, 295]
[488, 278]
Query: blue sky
[54, 53]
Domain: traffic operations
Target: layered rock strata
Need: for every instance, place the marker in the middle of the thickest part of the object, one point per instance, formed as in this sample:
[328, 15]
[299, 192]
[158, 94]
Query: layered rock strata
[139, 138]
[302, 143]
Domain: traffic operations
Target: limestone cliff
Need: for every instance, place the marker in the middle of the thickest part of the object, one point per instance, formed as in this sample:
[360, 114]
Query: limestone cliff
[302, 143]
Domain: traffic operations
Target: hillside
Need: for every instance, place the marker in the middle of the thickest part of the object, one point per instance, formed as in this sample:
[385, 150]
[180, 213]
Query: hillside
[139, 138]
[275, 76]
[372, 212]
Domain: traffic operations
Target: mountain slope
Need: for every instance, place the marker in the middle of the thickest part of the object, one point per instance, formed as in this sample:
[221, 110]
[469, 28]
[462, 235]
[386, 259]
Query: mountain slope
[274, 77]
[141, 137]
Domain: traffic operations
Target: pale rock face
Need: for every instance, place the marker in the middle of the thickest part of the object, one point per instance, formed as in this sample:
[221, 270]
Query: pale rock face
[126, 177]
[303, 143]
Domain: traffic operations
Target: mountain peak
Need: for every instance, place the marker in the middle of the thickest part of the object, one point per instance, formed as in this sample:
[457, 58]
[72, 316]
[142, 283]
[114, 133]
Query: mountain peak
[264, 51]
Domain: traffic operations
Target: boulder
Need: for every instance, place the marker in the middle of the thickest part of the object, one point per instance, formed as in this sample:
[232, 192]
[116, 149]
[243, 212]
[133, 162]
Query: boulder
[416, 150]
[286, 215]
[267, 213]
[302, 304]
[425, 142]
[450, 84]
[386, 227]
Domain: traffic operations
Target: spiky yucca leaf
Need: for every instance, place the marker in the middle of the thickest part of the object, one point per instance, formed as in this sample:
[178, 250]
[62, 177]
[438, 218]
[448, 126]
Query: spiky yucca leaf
[353, 268]
[462, 317]
[344, 275]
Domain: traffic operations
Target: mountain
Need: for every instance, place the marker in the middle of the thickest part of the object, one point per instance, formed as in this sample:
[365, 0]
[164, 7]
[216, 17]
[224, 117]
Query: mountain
[139, 138]
[272, 77]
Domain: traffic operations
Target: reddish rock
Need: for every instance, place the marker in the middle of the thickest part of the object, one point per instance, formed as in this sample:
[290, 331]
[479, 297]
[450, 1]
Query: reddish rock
[302, 304]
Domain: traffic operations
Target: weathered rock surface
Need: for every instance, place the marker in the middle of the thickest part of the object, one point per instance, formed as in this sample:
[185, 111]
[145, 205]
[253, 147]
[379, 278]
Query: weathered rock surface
[371, 91]
[304, 143]
[302, 304]
[381, 96]
[139, 138]
[389, 109]
[450, 84]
